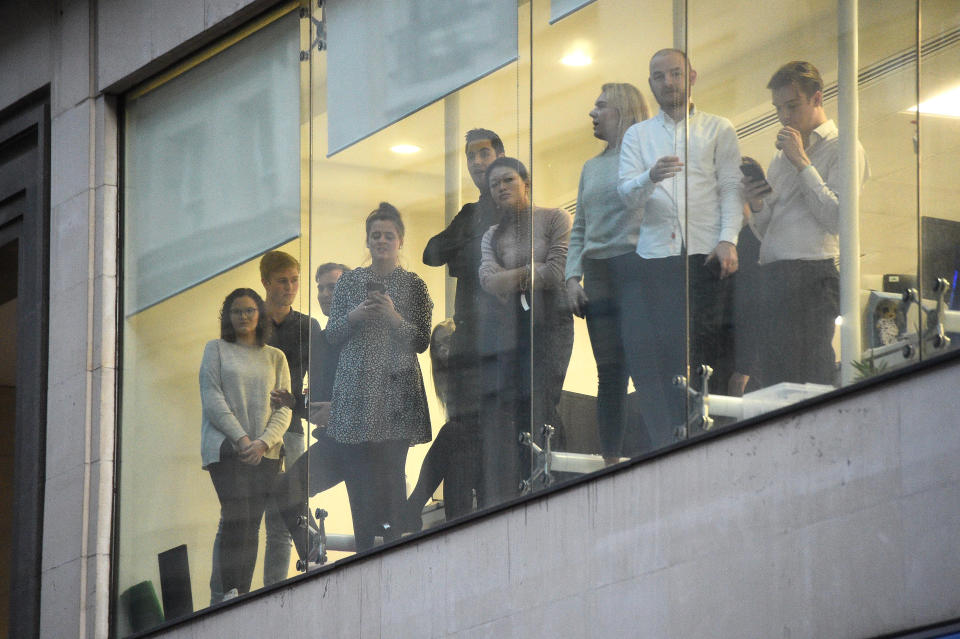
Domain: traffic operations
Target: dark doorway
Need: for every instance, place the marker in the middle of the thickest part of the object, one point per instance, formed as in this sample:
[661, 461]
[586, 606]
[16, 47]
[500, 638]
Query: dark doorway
[8, 416]
[24, 286]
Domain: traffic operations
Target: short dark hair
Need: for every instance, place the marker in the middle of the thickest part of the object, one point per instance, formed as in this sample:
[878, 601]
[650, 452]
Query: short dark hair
[273, 261]
[227, 333]
[485, 134]
[388, 213]
[804, 75]
[326, 267]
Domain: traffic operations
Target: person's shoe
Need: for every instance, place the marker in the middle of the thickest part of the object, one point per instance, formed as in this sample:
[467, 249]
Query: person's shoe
[411, 520]
[233, 593]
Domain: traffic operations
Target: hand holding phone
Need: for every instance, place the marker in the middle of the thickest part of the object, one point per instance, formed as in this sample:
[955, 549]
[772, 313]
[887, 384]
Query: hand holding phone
[378, 287]
[753, 172]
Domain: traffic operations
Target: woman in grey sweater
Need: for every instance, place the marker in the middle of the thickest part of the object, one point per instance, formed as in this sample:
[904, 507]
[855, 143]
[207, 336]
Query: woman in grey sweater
[241, 434]
[529, 292]
[605, 230]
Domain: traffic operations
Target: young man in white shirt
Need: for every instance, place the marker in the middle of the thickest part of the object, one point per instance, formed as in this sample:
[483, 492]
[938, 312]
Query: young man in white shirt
[796, 215]
[682, 168]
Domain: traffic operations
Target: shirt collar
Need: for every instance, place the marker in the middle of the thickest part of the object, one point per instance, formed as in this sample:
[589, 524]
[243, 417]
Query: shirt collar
[825, 131]
[666, 119]
[291, 317]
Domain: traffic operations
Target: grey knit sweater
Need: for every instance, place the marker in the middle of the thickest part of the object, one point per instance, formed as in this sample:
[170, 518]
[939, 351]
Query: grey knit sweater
[235, 385]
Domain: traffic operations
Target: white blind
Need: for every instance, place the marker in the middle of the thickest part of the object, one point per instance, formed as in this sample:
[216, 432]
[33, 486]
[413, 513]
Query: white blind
[562, 8]
[212, 166]
[387, 59]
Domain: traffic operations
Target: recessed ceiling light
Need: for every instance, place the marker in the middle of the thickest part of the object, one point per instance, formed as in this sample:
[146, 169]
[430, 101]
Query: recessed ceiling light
[946, 104]
[405, 149]
[576, 59]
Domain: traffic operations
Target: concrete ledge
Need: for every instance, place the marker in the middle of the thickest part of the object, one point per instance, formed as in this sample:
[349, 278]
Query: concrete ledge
[842, 521]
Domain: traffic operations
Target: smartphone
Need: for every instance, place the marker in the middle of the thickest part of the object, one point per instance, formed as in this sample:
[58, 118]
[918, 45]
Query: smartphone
[752, 169]
[379, 287]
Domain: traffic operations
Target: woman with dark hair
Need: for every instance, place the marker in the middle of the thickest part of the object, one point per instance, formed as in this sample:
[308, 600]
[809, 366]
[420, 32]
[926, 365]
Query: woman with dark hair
[241, 434]
[453, 457]
[602, 244]
[381, 315]
[529, 293]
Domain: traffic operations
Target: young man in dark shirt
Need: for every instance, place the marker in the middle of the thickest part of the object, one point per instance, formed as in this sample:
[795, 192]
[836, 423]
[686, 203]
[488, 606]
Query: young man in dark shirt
[320, 469]
[458, 246]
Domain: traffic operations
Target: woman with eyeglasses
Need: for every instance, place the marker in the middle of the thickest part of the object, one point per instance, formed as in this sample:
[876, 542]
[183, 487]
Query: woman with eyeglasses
[241, 434]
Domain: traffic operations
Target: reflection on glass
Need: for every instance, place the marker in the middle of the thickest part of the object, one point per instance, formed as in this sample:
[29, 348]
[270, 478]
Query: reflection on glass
[651, 268]
[937, 110]
[530, 328]
[452, 458]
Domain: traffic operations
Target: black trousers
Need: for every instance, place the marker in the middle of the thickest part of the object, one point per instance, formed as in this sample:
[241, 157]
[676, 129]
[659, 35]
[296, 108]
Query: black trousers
[529, 373]
[376, 488]
[801, 301]
[655, 334]
[604, 288]
[319, 469]
[243, 491]
[454, 458]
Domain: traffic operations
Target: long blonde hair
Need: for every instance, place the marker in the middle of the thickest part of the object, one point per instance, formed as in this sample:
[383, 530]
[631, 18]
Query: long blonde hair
[629, 103]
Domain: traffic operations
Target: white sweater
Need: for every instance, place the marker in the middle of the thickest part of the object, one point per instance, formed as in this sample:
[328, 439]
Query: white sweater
[235, 385]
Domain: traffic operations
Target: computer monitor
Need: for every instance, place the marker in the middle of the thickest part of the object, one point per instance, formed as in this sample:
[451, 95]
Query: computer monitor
[940, 240]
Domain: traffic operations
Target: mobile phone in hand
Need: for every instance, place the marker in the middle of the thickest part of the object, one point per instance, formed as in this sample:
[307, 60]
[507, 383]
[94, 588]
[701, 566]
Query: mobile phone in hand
[752, 169]
[379, 287]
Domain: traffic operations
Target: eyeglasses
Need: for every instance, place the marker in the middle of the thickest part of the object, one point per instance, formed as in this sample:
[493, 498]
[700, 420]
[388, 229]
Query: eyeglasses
[243, 312]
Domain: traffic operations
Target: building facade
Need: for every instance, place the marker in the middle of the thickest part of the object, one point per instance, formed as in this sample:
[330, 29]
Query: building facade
[151, 154]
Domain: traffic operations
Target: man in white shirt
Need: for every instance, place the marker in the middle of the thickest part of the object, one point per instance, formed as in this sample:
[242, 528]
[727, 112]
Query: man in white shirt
[682, 168]
[797, 222]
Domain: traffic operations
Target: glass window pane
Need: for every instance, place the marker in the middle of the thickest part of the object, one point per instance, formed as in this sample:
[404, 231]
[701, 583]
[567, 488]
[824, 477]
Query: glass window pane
[406, 441]
[590, 86]
[939, 138]
[199, 197]
[412, 55]
[188, 398]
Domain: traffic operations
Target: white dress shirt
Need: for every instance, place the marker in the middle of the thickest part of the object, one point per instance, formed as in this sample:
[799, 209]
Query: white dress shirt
[799, 219]
[707, 187]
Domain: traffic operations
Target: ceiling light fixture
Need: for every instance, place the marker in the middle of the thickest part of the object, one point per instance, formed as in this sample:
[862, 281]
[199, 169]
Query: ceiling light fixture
[576, 59]
[946, 104]
[405, 149]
